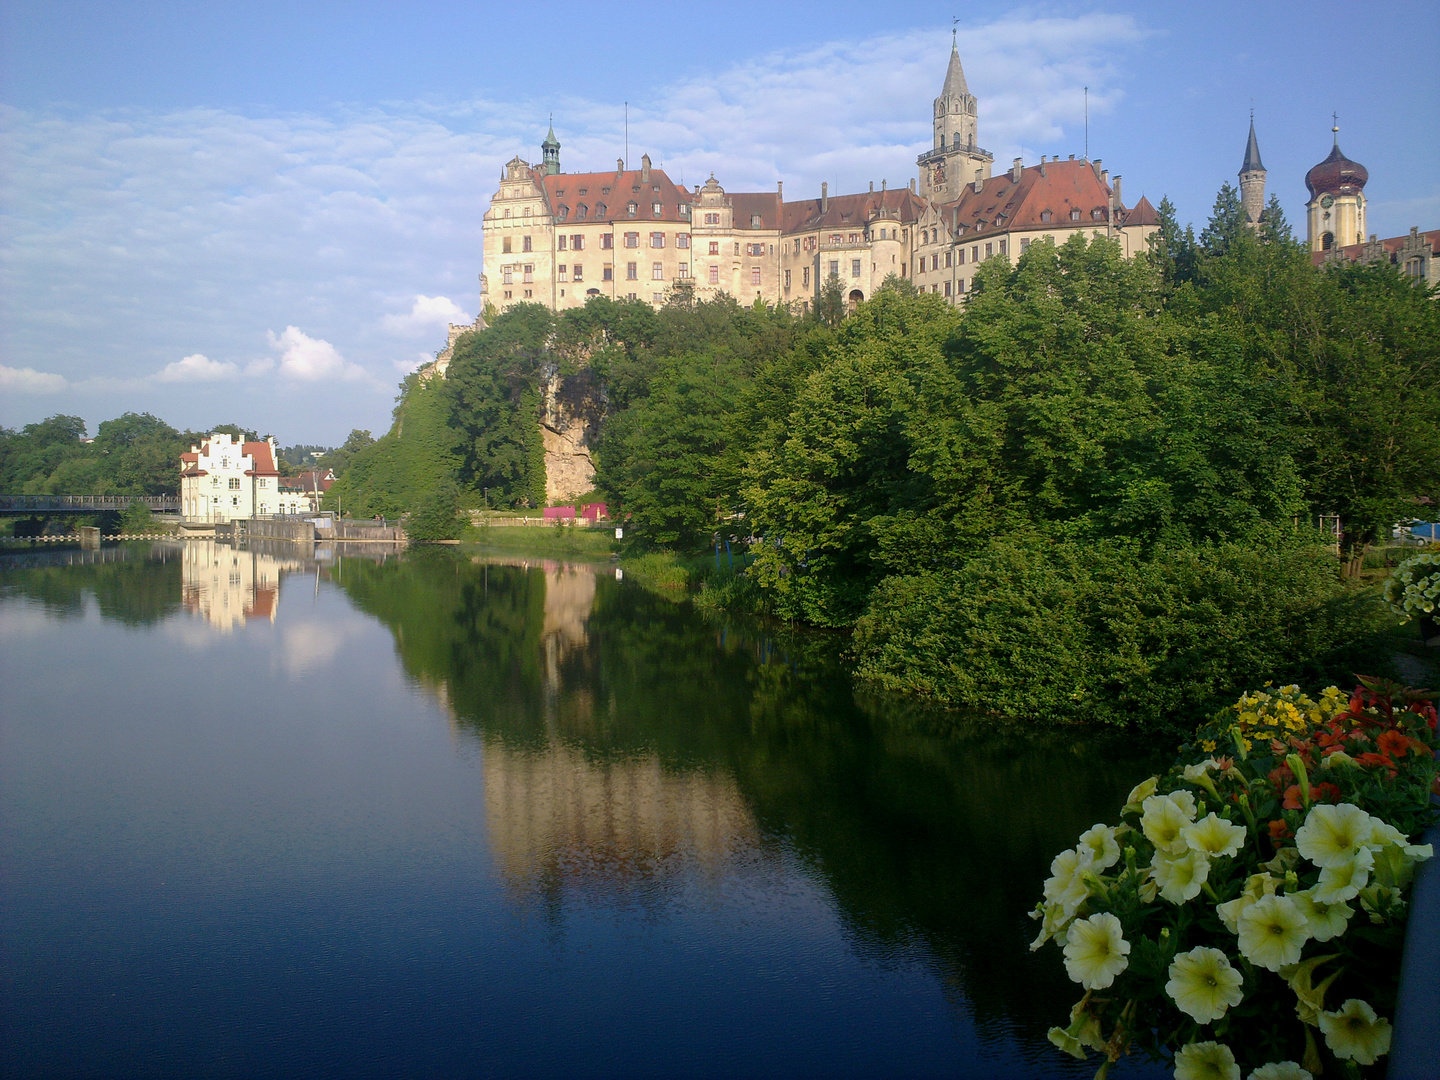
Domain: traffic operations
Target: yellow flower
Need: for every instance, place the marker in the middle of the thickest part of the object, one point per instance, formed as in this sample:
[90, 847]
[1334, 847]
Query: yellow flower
[1214, 835]
[1208, 745]
[1203, 984]
[1163, 818]
[1180, 876]
[1355, 1033]
[1273, 930]
[1206, 1061]
[1343, 881]
[1096, 951]
[1332, 835]
[1098, 842]
[1327, 920]
[1257, 886]
[1281, 1070]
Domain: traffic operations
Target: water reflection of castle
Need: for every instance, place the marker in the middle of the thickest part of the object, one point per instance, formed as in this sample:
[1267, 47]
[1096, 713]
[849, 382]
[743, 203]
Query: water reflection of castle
[561, 816]
[231, 585]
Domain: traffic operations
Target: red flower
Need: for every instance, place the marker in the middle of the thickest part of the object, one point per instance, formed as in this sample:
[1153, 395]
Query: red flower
[1292, 798]
[1393, 744]
[1279, 831]
[1281, 777]
[1378, 760]
[1325, 792]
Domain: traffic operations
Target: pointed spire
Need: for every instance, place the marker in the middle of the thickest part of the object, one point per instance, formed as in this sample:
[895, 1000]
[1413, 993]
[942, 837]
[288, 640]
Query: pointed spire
[550, 139]
[1252, 151]
[955, 76]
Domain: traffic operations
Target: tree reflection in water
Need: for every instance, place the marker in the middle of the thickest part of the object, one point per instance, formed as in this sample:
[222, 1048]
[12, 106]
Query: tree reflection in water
[626, 738]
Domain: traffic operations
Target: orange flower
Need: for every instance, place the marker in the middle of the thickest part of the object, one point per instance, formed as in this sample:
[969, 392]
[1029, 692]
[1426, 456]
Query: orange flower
[1378, 760]
[1393, 744]
[1292, 798]
[1324, 792]
[1279, 831]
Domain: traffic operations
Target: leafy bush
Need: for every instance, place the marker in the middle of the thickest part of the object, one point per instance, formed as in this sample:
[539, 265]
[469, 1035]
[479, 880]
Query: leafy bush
[1093, 633]
[1413, 591]
[1250, 911]
[437, 517]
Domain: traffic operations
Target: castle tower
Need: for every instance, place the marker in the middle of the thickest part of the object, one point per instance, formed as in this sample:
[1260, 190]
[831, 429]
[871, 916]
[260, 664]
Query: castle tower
[550, 148]
[1252, 180]
[955, 159]
[1335, 214]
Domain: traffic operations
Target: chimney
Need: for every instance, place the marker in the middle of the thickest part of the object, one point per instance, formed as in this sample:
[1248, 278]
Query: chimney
[619, 165]
[1015, 171]
[1042, 165]
[1099, 172]
[1118, 201]
[979, 185]
[644, 168]
[883, 185]
[780, 189]
[912, 185]
[1072, 157]
[824, 197]
[872, 187]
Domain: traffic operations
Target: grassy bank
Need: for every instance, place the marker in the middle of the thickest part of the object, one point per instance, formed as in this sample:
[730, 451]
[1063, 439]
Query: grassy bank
[559, 540]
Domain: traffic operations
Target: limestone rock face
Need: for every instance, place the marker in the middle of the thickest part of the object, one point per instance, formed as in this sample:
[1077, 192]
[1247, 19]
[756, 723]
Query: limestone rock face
[570, 419]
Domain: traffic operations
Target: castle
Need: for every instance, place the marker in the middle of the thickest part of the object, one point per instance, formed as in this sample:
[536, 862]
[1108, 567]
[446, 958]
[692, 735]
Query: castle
[558, 238]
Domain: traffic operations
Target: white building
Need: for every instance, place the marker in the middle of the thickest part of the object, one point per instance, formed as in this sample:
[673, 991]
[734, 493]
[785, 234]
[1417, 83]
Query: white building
[222, 479]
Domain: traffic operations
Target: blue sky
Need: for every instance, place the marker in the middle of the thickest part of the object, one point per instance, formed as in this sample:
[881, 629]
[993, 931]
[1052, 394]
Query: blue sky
[266, 213]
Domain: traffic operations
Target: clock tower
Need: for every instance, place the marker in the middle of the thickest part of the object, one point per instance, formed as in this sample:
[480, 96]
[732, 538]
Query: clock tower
[955, 159]
[1335, 214]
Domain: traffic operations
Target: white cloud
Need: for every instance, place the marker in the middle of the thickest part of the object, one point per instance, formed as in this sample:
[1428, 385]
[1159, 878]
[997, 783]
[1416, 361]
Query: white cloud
[415, 363]
[198, 367]
[427, 313]
[29, 381]
[310, 359]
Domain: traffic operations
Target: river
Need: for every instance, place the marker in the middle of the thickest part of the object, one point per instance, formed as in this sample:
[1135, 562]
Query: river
[275, 812]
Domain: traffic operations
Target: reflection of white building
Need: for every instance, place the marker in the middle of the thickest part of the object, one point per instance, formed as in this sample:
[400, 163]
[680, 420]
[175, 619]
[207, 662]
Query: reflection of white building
[229, 585]
[222, 479]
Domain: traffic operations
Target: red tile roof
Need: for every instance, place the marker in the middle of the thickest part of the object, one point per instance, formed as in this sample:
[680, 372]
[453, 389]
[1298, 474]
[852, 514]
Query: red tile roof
[1391, 246]
[1058, 186]
[851, 211]
[264, 460]
[614, 191]
[1142, 213]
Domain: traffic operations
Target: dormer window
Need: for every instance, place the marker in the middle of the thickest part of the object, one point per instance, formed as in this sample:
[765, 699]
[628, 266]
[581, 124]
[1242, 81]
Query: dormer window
[755, 221]
[1045, 216]
[600, 210]
[581, 211]
[584, 191]
[564, 213]
[631, 209]
[1097, 214]
[1074, 215]
[655, 209]
[604, 191]
[684, 210]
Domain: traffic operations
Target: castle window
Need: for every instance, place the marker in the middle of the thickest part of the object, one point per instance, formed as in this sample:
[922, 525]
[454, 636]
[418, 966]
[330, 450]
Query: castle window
[607, 241]
[947, 288]
[854, 268]
[755, 221]
[657, 271]
[1414, 268]
[836, 238]
[684, 210]
[712, 219]
[854, 238]
[989, 250]
[1004, 247]
[584, 191]
[714, 275]
[975, 253]
[527, 211]
[834, 268]
[657, 239]
[1097, 214]
[631, 209]
[564, 213]
[949, 255]
[577, 243]
[234, 483]
[507, 212]
[529, 273]
[632, 271]
[1024, 244]
[683, 270]
[599, 211]
[787, 280]
[505, 245]
[561, 241]
[755, 276]
[608, 273]
[1327, 241]
[525, 244]
[632, 239]
[805, 277]
[655, 209]
[1074, 215]
[604, 191]
[581, 211]
[797, 245]
[1045, 216]
[577, 273]
[714, 247]
[505, 273]
[563, 272]
[960, 286]
[682, 240]
[529, 293]
[961, 254]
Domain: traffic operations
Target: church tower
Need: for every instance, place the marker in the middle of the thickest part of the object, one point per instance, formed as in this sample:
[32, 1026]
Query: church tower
[1252, 180]
[955, 159]
[1335, 214]
[551, 149]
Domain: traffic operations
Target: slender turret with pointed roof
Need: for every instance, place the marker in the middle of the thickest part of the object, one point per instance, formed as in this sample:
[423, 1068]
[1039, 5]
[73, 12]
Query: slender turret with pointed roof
[1252, 179]
[551, 150]
[955, 159]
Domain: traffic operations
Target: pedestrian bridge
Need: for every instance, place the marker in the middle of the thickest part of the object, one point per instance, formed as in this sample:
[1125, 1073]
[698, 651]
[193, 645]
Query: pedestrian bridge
[85, 504]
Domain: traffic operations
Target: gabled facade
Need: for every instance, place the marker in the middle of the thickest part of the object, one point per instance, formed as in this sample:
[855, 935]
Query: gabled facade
[222, 479]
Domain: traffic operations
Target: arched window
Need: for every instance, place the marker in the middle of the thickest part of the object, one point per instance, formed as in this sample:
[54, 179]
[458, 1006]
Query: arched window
[1327, 241]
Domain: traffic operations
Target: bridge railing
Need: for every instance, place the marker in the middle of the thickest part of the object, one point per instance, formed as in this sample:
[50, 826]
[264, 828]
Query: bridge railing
[87, 502]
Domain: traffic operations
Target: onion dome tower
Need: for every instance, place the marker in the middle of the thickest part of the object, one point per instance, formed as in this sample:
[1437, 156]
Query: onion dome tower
[1252, 180]
[1335, 214]
[551, 149]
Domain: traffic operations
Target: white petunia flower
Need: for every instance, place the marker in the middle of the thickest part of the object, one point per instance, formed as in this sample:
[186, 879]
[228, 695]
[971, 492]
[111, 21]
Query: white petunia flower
[1141, 792]
[1343, 881]
[1066, 885]
[1355, 1033]
[1203, 984]
[1333, 834]
[1096, 951]
[1180, 877]
[1099, 841]
[1273, 930]
[1163, 818]
[1281, 1070]
[1326, 920]
[1206, 1061]
[1214, 836]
